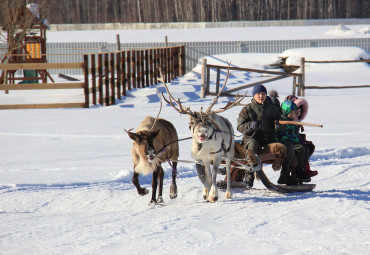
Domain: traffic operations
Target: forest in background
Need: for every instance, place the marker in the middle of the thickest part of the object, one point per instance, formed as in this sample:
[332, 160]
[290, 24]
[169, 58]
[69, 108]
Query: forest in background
[162, 11]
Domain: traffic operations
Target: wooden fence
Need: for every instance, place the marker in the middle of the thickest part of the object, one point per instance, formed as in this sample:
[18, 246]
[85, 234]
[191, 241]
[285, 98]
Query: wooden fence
[298, 79]
[107, 76]
[299, 84]
[304, 87]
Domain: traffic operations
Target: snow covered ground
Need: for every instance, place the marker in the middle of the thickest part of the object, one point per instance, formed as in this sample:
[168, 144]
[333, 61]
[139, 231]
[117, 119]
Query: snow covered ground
[65, 174]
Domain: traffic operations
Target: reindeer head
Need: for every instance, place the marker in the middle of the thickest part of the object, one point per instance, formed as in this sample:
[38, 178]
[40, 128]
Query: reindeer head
[144, 143]
[144, 139]
[202, 126]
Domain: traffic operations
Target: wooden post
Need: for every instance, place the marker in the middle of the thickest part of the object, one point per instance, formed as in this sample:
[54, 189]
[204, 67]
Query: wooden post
[142, 71]
[129, 77]
[138, 71]
[176, 62]
[146, 69]
[112, 81]
[93, 78]
[151, 72]
[86, 75]
[100, 77]
[168, 55]
[294, 85]
[218, 80]
[123, 71]
[118, 42]
[155, 66]
[302, 90]
[208, 79]
[203, 81]
[182, 62]
[133, 69]
[106, 78]
[119, 74]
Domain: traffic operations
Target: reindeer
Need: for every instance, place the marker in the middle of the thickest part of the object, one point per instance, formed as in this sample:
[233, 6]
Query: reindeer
[155, 141]
[213, 139]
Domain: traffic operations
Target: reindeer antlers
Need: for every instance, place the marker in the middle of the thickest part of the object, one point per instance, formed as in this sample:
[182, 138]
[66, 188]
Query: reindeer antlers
[176, 104]
[229, 104]
[172, 101]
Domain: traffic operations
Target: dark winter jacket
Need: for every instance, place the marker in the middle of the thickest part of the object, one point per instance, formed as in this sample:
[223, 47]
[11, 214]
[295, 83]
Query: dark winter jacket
[266, 113]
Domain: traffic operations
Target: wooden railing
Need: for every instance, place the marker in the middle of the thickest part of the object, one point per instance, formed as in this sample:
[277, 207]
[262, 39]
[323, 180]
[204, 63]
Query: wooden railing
[299, 83]
[43, 86]
[112, 74]
[107, 76]
[298, 78]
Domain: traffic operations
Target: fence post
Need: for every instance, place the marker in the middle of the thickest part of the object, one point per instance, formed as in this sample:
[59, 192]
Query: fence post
[218, 80]
[106, 78]
[100, 78]
[294, 85]
[119, 74]
[182, 61]
[112, 81]
[303, 71]
[124, 74]
[203, 82]
[86, 75]
[93, 78]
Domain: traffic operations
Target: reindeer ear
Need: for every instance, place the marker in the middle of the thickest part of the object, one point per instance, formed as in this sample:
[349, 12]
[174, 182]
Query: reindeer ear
[134, 136]
[155, 132]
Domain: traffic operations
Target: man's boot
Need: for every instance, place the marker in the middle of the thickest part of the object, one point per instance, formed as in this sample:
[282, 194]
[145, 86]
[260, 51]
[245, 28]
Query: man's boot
[285, 177]
[248, 179]
[302, 176]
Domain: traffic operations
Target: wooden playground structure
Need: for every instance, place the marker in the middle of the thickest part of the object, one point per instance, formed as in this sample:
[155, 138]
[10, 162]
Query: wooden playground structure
[31, 47]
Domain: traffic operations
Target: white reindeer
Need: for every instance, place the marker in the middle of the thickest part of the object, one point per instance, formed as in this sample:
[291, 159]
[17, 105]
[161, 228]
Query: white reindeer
[213, 139]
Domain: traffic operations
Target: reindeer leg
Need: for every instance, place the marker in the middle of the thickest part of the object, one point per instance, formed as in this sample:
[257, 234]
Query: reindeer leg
[160, 178]
[207, 180]
[173, 188]
[135, 181]
[154, 186]
[213, 194]
[228, 175]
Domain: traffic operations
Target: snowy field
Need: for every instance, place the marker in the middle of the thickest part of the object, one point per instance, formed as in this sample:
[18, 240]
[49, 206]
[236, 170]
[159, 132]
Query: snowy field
[65, 174]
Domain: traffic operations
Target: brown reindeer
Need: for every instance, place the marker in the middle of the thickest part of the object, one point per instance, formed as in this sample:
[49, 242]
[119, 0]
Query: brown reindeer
[213, 139]
[155, 141]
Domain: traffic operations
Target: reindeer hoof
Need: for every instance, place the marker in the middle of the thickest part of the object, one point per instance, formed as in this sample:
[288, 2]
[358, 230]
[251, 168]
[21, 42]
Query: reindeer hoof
[143, 192]
[205, 197]
[160, 200]
[152, 202]
[173, 191]
[213, 199]
[228, 194]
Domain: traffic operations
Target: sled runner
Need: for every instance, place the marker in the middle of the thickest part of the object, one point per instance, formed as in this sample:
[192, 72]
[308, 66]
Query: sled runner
[270, 154]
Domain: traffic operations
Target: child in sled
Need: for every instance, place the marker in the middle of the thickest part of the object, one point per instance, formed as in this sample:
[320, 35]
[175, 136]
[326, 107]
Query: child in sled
[302, 112]
[291, 134]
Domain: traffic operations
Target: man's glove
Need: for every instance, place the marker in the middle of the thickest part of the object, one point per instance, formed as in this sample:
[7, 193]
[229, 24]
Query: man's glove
[254, 126]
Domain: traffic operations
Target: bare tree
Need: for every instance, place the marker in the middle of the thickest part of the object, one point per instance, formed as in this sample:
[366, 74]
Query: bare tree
[17, 23]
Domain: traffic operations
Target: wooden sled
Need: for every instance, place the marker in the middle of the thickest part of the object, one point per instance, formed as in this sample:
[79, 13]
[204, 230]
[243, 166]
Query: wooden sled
[274, 153]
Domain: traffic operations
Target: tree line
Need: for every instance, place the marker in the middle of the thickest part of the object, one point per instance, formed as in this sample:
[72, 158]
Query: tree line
[158, 11]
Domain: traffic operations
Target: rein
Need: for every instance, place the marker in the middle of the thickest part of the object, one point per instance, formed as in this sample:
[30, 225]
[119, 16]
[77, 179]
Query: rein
[178, 140]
